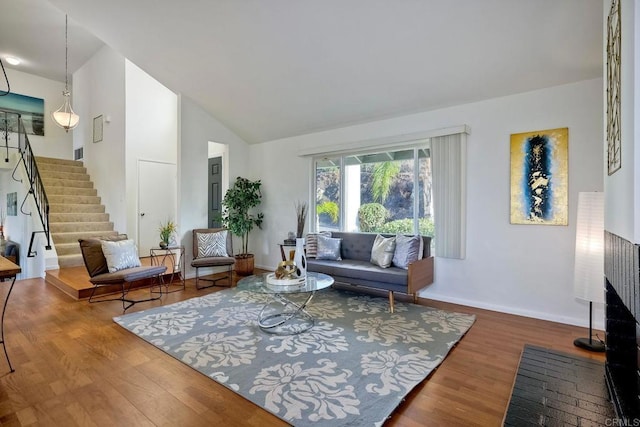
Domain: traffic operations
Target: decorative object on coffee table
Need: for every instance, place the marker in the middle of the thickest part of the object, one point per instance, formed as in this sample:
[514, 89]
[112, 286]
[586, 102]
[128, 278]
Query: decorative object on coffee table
[300, 258]
[301, 217]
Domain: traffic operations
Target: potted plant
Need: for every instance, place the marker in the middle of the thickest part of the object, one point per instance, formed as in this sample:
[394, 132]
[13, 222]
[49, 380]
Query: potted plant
[166, 230]
[238, 216]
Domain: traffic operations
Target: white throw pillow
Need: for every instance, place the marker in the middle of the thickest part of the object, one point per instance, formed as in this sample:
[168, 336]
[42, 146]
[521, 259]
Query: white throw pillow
[382, 251]
[212, 244]
[120, 254]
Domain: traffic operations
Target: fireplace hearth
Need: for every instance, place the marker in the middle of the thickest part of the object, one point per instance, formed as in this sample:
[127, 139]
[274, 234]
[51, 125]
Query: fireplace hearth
[622, 271]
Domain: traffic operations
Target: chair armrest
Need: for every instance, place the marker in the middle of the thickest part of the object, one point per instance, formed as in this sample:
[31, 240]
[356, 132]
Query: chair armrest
[420, 274]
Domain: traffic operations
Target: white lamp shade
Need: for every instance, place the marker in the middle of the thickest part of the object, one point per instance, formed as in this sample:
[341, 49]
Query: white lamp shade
[64, 116]
[588, 278]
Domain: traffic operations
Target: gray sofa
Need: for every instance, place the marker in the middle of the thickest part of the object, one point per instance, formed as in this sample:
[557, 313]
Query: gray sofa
[356, 269]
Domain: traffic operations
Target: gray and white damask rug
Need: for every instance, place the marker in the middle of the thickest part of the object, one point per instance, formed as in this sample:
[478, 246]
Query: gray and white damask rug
[353, 367]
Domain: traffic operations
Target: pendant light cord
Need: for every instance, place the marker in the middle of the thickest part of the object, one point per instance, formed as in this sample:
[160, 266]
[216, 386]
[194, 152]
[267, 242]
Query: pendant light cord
[4, 93]
[66, 53]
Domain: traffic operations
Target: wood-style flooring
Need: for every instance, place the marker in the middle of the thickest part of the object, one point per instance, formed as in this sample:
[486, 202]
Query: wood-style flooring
[75, 366]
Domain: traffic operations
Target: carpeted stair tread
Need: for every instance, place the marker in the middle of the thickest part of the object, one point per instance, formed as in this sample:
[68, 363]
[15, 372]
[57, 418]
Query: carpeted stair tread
[63, 182]
[74, 236]
[51, 160]
[65, 175]
[75, 208]
[71, 191]
[81, 226]
[65, 217]
[44, 168]
[65, 261]
[73, 199]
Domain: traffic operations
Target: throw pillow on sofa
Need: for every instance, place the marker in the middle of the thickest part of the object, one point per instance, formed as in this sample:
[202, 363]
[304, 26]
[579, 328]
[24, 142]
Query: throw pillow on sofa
[329, 248]
[311, 243]
[382, 251]
[408, 249]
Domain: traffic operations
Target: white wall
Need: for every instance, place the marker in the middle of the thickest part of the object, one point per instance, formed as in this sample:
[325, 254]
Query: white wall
[99, 87]
[55, 142]
[521, 269]
[151, 131]
[197, 128]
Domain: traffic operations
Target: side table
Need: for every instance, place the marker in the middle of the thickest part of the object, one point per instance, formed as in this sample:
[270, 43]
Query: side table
[171, 257]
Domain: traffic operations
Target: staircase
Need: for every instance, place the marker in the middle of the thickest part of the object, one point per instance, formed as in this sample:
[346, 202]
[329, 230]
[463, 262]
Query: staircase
[75, 211]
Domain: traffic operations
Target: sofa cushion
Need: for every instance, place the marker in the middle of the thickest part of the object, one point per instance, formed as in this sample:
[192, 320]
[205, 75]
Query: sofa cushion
[128, 275]
[311, 243]
[407, 250]
[382, 251]
[360, 270]
[328, 248]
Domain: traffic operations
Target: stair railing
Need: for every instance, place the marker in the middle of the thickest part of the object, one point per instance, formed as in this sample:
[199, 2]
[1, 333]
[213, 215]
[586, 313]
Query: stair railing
[36, 187]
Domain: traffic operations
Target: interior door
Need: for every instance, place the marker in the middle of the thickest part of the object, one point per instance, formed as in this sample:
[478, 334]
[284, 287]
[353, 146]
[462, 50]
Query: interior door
[157, 201]
[215, 191]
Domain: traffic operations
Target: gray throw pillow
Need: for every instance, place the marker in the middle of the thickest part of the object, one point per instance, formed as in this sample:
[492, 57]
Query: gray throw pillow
[329, 248]
[382, 251]
[407, 250]
[311, 243]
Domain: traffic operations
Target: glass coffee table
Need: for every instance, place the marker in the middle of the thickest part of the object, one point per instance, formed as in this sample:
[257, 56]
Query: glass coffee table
[281, 315]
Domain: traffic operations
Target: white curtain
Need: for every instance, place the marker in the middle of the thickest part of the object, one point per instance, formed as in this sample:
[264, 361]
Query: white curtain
[448, 158]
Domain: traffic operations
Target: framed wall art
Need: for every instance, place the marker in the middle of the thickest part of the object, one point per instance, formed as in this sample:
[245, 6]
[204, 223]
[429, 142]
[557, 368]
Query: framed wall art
[614, 153]
[540, 177]
[97, 128]
[31, 109]
[12, 204]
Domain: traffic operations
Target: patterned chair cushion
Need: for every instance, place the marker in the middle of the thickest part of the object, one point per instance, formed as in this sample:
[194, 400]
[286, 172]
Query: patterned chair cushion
[212, 244]
[329, 248]
[311, 243]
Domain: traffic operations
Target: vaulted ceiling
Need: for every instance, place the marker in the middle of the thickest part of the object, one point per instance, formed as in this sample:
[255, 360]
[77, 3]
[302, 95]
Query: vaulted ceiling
[274, 69]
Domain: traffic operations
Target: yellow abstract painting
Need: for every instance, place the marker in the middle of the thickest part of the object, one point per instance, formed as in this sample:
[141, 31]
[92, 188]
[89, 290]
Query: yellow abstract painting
[540, 177]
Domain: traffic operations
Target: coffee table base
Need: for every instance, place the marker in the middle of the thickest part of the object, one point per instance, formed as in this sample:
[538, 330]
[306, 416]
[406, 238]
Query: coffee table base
[292, 321]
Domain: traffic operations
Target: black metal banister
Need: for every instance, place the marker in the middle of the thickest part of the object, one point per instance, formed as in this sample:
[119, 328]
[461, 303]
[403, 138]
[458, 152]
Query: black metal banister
[36, 186]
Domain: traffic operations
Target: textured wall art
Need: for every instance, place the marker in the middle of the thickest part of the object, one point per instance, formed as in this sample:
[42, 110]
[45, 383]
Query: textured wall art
[540, 177]
[614, 44]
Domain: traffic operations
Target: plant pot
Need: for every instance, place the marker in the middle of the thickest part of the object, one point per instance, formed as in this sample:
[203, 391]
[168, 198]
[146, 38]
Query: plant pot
[244, 264]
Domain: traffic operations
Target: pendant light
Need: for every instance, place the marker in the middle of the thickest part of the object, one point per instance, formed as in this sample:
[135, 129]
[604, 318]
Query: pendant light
[64, 116]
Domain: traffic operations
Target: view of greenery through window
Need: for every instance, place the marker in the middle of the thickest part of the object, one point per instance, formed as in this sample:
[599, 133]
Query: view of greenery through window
[375, 192]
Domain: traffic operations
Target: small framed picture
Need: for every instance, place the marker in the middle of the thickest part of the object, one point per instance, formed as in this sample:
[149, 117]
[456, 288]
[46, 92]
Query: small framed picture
[97, 128]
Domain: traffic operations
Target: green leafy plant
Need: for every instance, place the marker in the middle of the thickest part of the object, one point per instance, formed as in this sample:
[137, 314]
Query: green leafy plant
[330, 209]
[382, 179]
[237, 206]
[166, 230]
[405, 226]
[371, 216]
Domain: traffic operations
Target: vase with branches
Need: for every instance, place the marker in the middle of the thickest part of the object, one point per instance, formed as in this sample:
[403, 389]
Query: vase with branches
[301, 217]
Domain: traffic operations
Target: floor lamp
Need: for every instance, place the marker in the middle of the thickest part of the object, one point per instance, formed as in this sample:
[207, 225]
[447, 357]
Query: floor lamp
[588, 278]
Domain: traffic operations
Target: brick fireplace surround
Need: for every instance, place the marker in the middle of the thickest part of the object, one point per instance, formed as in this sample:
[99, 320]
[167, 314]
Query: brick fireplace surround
[622, 277]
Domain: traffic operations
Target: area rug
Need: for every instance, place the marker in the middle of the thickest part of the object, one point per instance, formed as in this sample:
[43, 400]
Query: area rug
[353, 367]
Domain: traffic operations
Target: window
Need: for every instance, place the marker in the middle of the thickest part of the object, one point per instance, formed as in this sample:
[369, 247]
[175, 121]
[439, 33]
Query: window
[386, 191]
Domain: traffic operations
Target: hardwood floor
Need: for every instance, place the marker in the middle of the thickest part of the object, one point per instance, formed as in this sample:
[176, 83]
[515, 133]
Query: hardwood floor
[75, 366]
